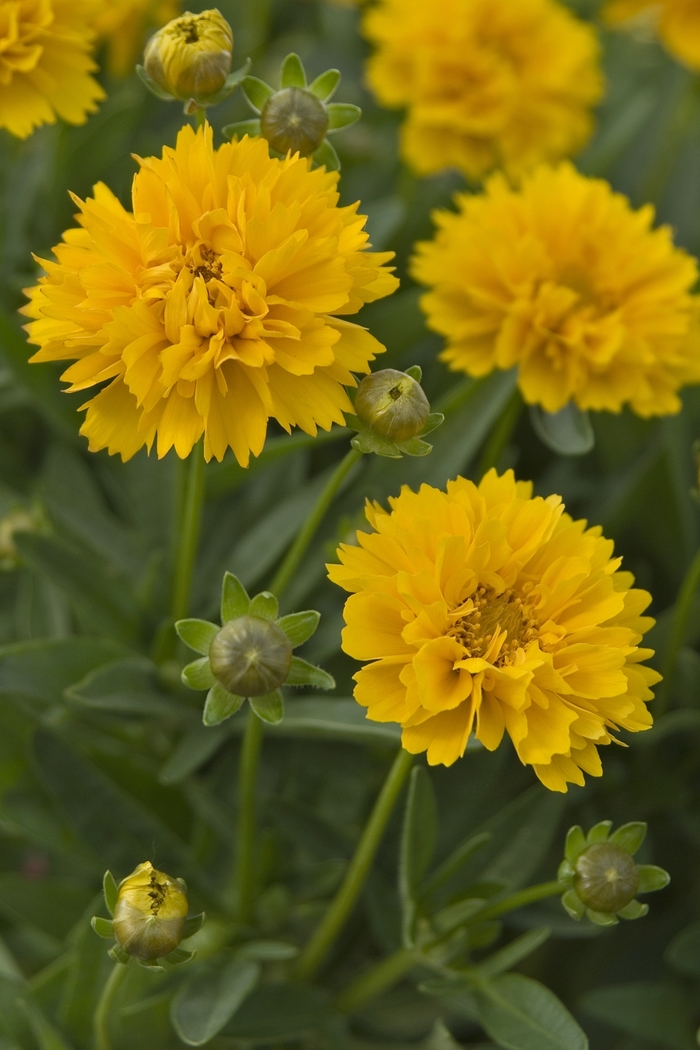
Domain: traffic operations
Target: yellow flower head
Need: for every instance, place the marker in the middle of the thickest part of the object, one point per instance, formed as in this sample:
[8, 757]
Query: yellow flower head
[677, 23]
[486, 84]
[46, 63]
[562, 279]
[123, 25]
[191, 56]
[150, 913]
[483, 609]
[213, 306]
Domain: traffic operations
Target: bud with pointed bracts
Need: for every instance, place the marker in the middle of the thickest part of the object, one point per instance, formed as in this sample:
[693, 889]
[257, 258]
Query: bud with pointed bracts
[392, 414]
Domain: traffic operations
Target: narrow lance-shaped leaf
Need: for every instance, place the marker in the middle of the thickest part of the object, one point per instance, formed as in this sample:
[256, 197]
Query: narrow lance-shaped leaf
[418, 840]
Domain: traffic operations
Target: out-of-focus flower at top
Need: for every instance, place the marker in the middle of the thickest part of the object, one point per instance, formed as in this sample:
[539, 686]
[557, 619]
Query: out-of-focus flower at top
[676, 22]
[485, 85]
[563, 280]
[123, 26]
[46, 63]
[487, 610]
[218, 303]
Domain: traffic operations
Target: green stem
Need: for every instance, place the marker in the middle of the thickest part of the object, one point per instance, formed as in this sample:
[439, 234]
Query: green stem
[518, 900]
[188, 537]
[316, 515]
[339, 911]
[501, 434]
[200, 117]
[247, 779]
[377, 980]
[679, 629]
[104, 1007]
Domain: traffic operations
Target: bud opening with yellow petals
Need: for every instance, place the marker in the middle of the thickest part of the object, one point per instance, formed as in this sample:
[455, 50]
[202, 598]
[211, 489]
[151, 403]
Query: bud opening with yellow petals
[190, 57]
[393, 403]
[150, 913]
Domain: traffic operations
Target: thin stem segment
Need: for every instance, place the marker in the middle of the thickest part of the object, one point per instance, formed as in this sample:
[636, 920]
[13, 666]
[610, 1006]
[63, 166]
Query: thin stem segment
[104, 1007]
[501, 434]
[247, 779]
[188, 537]
[339, 911]
[519, 900]
[679, 630]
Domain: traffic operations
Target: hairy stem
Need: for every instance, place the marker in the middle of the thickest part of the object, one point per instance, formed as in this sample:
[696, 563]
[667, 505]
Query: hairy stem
[104, 1007]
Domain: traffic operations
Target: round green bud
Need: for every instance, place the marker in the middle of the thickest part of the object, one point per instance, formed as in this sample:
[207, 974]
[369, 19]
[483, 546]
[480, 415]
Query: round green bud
[393, 404]
[293, 120]
[606, 877]
[250, 656]
[150, 913]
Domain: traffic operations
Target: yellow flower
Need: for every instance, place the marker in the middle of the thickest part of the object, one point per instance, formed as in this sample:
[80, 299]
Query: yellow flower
[150, 913]
[45, 63]
[677, 23]
[486, 610]
[562, 279]
[217, 304]
[123, 25]
[191, 56]
[486, 84]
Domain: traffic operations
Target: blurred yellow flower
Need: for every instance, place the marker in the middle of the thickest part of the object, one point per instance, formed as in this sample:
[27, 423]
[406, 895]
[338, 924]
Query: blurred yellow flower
[562, 279]
[218, 303]
[46, 63]
[485, 84]
[486, 610]
[677, 23]
[124, 25]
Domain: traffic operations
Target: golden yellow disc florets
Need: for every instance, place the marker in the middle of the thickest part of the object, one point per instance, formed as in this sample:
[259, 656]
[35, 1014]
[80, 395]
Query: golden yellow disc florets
[150, 913]
[190, 57]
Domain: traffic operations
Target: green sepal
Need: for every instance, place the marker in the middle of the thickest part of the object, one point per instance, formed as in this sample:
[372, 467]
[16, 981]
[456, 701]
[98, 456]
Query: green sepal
[303, 673]
[264, 605]
[565, 871]
[369, 443]
[234, 598]
[241, 129]
[415, 372]
[651, 878]
[599, 832]
[257, 92]
[292, 73]
[325, 85]
[326, 157]
[300, 626]
[434, 420]
[575, 843]
[342, 115]
[197, 675]
[110, 891]
[102, 927]
[178, 956]
[573, 905]
[634, 910]
[270, 707]
[232, 81]
[602, 918]
[151, 964]
[118, 954]
[630, 836]
[220, 705]
[415, 447]
[198, 634]
[193, 924]
[154, 88]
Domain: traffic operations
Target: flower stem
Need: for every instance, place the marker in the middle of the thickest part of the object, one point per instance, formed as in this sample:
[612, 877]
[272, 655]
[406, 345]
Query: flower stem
[679, 628]
[200, 117]
[501, 434]
[377, 980]
[104, 1007]
[339, 911]
[519, 900]
[188, 536]
[308, 530]
[247, 777]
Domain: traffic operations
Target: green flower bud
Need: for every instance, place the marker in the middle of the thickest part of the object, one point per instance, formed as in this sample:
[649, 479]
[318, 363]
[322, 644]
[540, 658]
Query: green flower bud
[294, 120]
[250, 656]
[190, 57]
[150, 913]
[393, 404]
[606, 877]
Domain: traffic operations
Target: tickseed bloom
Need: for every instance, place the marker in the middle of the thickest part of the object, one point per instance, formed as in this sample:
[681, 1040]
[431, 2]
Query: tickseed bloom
[677, 23]
[219, 302]
[485, 84]
[562, 279]
[46, 63]
[123, 25]
[485, 610]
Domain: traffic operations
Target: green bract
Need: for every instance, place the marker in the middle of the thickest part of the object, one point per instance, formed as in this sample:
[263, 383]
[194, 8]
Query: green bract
[388, 431]
[250, 655]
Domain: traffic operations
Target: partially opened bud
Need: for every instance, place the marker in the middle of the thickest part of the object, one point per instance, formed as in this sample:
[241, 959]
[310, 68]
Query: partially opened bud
[150, 913]
[190, 57]
[294, 120]
[250, 656]
[606, 878]
[393, 404]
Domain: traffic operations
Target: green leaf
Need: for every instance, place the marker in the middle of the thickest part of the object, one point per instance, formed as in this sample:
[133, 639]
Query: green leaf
[257, 92]
[153, 87]
[102, 927]
[110, 891]
[198, 634]
[193, 924]
[326, 157]
[521, 1014]
[234, 598]
[195, 747]
[303, 673]
[324, 86]
[575, 843]
[656, 1013]
[210, 998]
[264, 605]
[683, 953]
[292, 73]
[241, 128]
[124, 686]
[47, 1036]
[513, 953]
[342, 115]
[599, 832]
[418, 841]
[630, 836]
[42, 670]
[450, 867]
[270, 708]
[651, 878]
[299, 626]
[567, 432]
[198, 674]
[280, 1013]
[52, 905]
[220, 705]
[268, 951]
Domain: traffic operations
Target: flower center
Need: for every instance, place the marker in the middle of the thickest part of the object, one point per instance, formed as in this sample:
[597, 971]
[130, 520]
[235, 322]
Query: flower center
[494, 624]
[157, 893]
[209, 266]
[188, 31]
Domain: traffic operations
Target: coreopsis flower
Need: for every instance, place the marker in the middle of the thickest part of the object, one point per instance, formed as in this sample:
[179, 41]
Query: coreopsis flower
[562, 279]
[219, 302]
[190, 57]
[485, 84]
[123, 25]
[46, 63]
[677, 23]
[485, 610]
